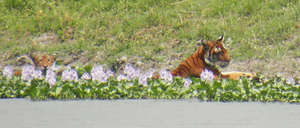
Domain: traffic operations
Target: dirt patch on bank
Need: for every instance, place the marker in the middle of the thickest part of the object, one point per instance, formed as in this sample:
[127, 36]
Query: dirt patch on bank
[285, 66]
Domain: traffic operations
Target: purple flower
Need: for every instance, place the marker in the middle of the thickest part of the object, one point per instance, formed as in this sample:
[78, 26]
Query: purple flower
[37, 74]
[131, 72]
[121, 77]
[166, 75]
[207, 75]
[187, 82]
[27, 72]
[110, 73]
[69, 75]
[54, 67]
[291, 81]
[149, 73]
[51, 77]
[8, 71]
[86, 76]
[99, 74]
[143, 78]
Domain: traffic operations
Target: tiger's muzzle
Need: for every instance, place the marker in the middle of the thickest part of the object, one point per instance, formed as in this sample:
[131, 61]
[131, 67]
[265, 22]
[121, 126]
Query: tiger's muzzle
[223, 64]
[215, 59]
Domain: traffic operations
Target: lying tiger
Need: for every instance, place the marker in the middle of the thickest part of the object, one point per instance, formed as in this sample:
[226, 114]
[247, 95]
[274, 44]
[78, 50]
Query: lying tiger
[207, 56]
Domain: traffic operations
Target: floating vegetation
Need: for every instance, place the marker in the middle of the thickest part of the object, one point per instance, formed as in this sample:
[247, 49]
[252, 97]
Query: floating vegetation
[103, 84]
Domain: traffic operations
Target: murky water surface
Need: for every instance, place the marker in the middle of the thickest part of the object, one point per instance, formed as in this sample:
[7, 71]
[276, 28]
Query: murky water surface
[21, 113]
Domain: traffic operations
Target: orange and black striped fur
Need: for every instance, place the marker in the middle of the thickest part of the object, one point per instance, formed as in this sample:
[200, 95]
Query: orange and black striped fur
[207, 56]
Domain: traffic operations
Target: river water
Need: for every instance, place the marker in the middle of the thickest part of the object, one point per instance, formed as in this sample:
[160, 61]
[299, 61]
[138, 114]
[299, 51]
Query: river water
[22, 113]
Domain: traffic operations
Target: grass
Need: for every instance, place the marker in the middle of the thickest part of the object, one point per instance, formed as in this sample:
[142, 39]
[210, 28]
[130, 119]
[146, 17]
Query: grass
[153, 30]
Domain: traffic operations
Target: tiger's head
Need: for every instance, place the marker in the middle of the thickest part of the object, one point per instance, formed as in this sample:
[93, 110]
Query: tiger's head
[44, 60]
[216, 53]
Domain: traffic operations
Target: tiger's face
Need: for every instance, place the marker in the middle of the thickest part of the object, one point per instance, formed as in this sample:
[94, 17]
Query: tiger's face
[216, 53]
[44, 60]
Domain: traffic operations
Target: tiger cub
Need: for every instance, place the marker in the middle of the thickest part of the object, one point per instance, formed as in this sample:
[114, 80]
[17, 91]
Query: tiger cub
[41, 61]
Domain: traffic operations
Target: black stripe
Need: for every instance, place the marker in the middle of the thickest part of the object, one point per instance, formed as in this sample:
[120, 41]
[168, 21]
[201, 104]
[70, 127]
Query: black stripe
[187, 62]
[198, 60]
[186, 69]
[194, 61]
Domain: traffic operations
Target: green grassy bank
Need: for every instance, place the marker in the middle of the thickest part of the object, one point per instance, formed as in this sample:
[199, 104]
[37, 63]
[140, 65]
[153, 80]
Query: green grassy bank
[153, 30]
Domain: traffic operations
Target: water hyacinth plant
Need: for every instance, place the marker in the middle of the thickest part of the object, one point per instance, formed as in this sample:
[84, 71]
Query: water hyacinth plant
[131, 72]
[101, 85]
[187, 82]
[207, 75]
[109, 73]
[99, 74]
[166, 75]
[291, 81]
[55, 67]
[8, 71]
[28, 73]
[69, 75]
[50, 77]
[143, 78]
[122, 77]
[85, 76]
[37, 74]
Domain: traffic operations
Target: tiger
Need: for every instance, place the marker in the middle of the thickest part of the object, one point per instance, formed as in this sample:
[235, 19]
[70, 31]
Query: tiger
[44, 60]
[41, 61]
[208, 56]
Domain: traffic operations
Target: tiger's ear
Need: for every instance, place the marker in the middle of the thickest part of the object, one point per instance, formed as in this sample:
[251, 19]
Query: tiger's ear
[221, 39]
[33, 56]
